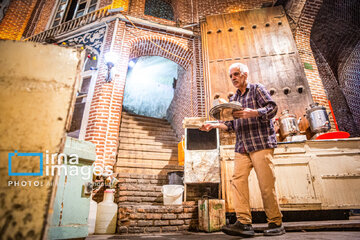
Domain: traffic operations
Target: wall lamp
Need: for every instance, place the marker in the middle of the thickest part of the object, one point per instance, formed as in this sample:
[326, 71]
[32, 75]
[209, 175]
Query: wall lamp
[110, 59]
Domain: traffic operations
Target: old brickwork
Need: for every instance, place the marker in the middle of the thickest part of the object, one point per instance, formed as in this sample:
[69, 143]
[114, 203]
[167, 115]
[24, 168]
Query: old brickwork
[16, 18]
[334, 37]
[105, 111]
[141, 210]
[350, 82]
[182, 106]
[189, 100]
[44, 16]
[302, 39]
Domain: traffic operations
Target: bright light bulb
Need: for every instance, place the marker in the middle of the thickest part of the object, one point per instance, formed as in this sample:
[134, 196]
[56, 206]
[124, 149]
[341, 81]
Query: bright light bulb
[131, 64]
[110, 57]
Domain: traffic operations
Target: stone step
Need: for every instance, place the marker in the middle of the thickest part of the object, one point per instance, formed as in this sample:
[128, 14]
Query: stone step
[142, 170]
[140, 177]
[148, 128]
[126, 134]
[160, 123]
[148, 148]
[146, 162]
[142, 141]
[143, 119]
[149, 132]
[148, 165]
[132, 154]
[144, 186]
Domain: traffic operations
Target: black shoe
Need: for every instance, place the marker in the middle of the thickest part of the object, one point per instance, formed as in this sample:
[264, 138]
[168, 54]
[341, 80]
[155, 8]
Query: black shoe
[274, 230]
[239, 229]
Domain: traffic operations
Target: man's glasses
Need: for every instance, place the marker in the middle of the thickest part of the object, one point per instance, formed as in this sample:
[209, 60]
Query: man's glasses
[235, 74]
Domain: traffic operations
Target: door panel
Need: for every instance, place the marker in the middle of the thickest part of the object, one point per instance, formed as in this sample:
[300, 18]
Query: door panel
[262, 39]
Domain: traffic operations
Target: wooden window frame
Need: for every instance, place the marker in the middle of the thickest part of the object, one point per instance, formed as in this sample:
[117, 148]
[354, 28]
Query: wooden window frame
[64, 12]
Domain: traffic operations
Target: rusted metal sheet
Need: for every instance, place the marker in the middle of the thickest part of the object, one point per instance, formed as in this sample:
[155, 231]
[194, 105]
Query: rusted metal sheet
[310, 175]
[211, 214]
[261, 39]
[38, 85]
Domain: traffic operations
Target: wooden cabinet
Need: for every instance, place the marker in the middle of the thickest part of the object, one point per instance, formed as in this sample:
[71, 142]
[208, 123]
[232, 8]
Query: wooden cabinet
[312, 175]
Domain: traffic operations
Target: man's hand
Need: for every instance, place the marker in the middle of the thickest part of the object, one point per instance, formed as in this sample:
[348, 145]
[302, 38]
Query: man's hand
[207, 127]
[246, 113]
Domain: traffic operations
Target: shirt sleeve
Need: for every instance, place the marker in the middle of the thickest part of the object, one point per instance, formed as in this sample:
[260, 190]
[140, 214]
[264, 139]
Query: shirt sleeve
[268, 107]
[230, 125]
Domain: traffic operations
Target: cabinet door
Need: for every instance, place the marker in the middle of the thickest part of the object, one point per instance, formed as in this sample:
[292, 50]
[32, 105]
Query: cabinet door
[294, 185]
[71, 206]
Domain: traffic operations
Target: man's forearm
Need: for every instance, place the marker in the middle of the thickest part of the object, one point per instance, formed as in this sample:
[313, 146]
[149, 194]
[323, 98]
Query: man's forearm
[222, 126]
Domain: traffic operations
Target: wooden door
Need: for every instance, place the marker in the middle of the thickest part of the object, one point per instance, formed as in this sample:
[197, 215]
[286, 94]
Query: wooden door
[262, 40]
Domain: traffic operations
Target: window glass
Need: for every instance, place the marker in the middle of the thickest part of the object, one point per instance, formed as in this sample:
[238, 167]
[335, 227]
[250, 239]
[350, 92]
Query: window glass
[82, 6]
[91, 9]
[73, 9]
[79, 14]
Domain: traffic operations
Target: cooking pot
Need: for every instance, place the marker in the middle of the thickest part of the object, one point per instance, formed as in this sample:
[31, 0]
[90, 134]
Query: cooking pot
[289, 125]
[318, 118]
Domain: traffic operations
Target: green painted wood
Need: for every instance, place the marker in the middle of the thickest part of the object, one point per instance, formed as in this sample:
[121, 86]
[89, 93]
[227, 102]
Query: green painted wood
[75, 204]
[68, 232]
[58, 200]
[84, 149]
[71, 205]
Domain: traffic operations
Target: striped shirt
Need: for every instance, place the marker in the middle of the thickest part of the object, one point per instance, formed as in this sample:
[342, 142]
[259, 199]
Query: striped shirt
[256, 133]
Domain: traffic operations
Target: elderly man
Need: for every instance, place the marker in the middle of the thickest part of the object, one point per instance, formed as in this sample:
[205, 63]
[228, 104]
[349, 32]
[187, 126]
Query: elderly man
[255, 143]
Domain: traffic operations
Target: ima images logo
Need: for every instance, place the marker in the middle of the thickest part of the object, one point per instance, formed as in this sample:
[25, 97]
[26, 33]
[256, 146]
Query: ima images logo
[15, 153]
[58, 163]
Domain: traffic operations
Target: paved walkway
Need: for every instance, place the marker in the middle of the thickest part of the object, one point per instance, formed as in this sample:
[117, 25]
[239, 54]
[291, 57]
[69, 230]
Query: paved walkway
[333, 235]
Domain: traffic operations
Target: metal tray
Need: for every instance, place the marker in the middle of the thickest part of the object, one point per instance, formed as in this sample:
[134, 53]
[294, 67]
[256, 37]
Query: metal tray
[224, 111]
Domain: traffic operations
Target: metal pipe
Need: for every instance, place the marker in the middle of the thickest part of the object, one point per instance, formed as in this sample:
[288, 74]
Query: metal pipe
[153, 25]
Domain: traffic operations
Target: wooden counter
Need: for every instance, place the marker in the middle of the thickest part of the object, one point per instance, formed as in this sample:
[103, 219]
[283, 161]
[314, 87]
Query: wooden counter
[310, 175]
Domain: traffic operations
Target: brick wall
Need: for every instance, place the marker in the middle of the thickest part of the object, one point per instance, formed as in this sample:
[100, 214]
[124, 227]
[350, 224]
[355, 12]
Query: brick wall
[141, 210]
[186, 12]
[137, 9]
[302, 39]
[16, 18]
[210, 7]
[105, 110]
[104, 3]
[350, 82]
[332, 50]
[199, 77]
[184, 102]
[44, 16]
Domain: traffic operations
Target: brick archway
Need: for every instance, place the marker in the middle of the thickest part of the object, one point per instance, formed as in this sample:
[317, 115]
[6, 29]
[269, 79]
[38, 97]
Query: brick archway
[144, 46]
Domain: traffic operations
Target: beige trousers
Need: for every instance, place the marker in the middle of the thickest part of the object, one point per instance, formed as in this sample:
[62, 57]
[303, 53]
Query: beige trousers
[262, 163]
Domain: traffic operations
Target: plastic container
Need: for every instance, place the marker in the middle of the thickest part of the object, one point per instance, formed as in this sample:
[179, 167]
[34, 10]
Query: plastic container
[176, 178]
[92, 216]
[106, 214]
[181, 154]
[172, 194]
